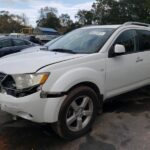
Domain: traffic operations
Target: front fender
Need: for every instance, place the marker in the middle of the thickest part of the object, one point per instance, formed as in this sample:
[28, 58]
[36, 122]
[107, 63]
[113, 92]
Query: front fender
[75, 76]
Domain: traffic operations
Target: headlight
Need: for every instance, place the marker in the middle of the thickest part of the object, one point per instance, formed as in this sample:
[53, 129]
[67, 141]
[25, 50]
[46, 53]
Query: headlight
[24, 81]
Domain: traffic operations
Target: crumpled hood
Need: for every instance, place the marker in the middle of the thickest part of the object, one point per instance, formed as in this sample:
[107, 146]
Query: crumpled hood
[32, 61]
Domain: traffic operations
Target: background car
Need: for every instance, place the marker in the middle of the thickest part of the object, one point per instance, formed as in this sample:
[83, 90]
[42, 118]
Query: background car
[9, 45]
[35, 40]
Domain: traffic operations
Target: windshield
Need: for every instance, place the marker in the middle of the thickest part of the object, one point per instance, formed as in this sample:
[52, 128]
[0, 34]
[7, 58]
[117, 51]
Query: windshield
[82, 41]
[52, 41]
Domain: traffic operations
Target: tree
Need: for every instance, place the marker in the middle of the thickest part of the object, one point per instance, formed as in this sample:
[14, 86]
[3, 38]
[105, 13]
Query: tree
[73, 26]
[120, 11]
[65, 20]
[10, 22]
[106, 11]
[48, 18]
[85, 17]
[24, 20]
[136, 10]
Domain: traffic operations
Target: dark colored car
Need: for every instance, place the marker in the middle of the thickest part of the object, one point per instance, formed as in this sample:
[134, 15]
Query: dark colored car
[9, 45]
[35, 40]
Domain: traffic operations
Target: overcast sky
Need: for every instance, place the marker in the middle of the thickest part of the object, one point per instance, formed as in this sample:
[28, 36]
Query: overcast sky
[31, 7]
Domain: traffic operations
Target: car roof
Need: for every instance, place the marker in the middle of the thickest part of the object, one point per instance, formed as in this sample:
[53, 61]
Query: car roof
[101, 26]
[127, 24]
[4, 37]
[9, 37]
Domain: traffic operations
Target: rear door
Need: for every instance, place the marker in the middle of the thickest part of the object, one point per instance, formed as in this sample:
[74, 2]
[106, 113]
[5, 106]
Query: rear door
[142, 67]
[20, 44]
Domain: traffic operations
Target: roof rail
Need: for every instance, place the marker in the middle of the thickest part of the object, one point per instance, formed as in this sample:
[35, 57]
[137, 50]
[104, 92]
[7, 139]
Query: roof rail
[136, 23]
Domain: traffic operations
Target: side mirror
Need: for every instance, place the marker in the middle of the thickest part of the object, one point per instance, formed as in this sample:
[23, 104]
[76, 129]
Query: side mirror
[119, 49]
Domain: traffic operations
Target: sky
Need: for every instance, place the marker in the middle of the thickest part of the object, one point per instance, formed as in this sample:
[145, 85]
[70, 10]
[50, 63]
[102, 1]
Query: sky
[31, 7]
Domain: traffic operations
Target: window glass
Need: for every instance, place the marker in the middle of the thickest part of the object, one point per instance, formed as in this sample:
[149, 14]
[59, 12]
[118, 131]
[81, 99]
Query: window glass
[127, 39]
[85, 40]
[27, 43]
[144, 40]
[5, 43]
[18, 42]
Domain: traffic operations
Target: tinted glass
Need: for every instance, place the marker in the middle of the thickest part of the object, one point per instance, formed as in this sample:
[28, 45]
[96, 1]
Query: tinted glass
[27, 43]
[87, 41]
[5, 43]
[144, 40]
[18, 42]
[128, 39]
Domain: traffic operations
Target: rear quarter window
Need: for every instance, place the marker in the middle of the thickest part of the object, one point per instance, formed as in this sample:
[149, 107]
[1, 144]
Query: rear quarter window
[27, 43]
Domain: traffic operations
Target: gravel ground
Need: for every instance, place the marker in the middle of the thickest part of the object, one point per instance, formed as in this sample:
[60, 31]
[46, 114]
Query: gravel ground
[124, 125]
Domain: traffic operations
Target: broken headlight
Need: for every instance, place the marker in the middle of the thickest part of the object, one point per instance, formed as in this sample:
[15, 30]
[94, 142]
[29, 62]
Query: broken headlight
[23, 84]
[24, 81]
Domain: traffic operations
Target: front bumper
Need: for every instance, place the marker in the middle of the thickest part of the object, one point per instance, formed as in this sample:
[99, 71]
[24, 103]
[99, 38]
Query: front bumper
[32, 107]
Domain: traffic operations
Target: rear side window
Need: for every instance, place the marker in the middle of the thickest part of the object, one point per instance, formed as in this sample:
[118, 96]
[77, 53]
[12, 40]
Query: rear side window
[18, 42]
[5, 43]
[128, 39]
[144, 40]
[27, 43]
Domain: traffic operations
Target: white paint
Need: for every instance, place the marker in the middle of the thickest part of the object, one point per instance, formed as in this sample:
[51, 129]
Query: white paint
[113, 76]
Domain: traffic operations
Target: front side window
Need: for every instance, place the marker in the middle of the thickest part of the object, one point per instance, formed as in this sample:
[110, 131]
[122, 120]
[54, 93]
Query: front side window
[5, 43]
[144, 40]
[85, 40]
[128, 39]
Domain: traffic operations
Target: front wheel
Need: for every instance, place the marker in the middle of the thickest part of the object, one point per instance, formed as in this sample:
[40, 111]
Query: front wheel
[77, 113]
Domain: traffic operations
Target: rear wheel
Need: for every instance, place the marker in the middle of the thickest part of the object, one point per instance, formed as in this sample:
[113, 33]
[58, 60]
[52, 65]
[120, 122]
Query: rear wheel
[77, 113]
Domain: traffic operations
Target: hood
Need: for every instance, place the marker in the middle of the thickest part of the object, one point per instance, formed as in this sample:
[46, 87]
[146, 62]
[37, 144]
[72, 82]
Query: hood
[32, 49]
[29, 62]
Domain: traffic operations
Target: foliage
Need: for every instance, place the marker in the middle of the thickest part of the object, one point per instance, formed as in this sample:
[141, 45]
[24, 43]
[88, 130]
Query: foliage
[85, 17]
[10, 22]
[48, 18]
[73, 26]
[102, 12]
[116, 12]
[65, 20]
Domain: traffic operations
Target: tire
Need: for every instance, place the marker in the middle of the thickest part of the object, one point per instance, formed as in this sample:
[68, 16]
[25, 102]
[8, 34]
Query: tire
[81, 104]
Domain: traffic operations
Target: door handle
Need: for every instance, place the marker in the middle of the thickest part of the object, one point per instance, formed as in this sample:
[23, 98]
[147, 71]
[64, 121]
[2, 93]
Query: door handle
[139, 59]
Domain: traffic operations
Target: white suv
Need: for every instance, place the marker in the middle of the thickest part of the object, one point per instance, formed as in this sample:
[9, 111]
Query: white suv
[66, 84]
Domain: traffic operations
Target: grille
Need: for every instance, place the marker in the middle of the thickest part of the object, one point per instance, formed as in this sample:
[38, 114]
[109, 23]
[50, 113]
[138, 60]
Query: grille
[2, 76]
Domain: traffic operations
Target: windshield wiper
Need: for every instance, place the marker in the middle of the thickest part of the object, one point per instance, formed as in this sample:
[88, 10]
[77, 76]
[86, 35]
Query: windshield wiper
[63, 51]
[44, 48]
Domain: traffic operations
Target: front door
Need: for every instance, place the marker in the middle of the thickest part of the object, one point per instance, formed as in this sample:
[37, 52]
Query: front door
[120, 72]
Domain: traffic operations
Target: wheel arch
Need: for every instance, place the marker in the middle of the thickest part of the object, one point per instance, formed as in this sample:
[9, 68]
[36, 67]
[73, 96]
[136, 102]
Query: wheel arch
[92, 86]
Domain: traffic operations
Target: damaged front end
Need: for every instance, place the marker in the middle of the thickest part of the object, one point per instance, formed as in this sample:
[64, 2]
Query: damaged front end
[9, 86]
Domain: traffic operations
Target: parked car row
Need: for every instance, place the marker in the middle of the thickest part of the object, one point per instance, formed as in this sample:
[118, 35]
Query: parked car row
[31, 38]
[9, 45]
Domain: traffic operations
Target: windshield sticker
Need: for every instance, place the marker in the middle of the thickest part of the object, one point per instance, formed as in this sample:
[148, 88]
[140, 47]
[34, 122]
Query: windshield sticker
[97, 33]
